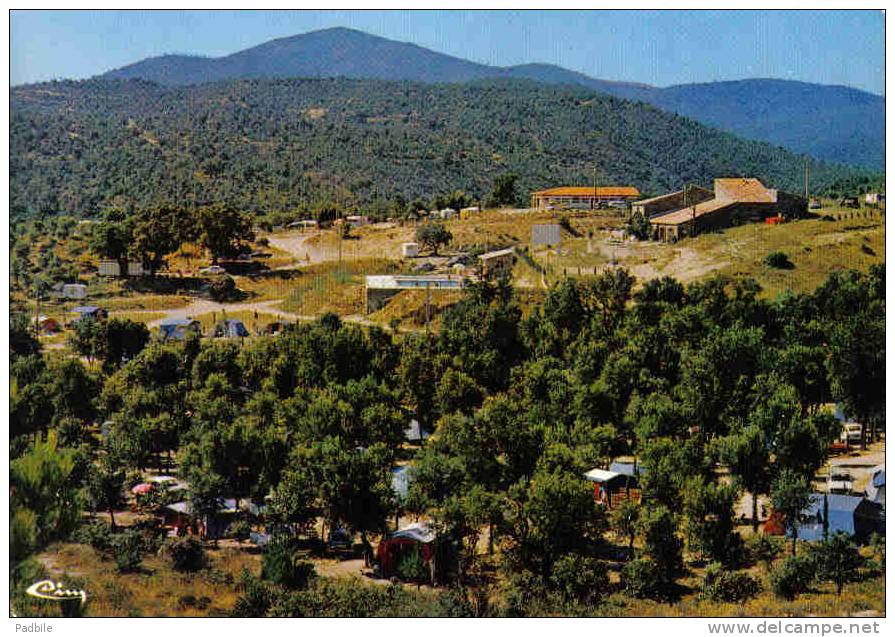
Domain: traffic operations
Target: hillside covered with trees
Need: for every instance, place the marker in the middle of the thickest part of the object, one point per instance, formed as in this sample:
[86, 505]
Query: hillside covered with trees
[833, 123]
[291, 145]
[716, 391]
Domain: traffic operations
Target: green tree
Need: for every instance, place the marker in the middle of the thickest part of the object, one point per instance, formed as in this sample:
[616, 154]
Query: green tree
[223, 230]
[43, 497]
[433, 235]
[790, 495]
[625, 519]
[504, 190]
[838, 559]
[857, 368]
[746, 453]
[661, 542]
[105, 486]
[112, 238]
[555, 514]
[157, 232]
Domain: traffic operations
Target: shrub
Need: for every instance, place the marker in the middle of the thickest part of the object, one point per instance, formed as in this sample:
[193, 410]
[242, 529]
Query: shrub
[255, 601]
[151, 532]
[412, 568]
[641, 578]
[720, 585]
[778, 260]
[453, 603]
[97, 534]
[765, 549]
[128, 548]
[186, 554]
[578, 578]
[279, 565]
[524, 590]
[262, 241]
[239, 530]
[793, 576]
[222, 288]
[878, 551]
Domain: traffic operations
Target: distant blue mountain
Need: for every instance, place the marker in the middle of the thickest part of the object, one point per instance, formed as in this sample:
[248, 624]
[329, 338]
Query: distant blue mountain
[835, 123]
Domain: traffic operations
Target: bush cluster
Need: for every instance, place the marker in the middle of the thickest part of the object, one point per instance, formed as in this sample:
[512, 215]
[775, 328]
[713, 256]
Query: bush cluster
[186, 554]
[720, 585]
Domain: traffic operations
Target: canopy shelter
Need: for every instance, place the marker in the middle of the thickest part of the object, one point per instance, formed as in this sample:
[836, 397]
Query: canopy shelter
[612, 487]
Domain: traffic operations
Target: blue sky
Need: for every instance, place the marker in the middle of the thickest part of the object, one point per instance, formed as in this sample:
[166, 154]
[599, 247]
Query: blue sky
[654, 47]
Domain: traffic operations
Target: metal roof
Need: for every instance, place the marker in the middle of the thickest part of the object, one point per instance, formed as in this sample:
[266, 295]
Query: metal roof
[601, 475]
[682, 215]
[497, 253]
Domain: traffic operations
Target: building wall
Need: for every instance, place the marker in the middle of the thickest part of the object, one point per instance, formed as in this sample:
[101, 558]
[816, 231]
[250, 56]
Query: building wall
[497, 267]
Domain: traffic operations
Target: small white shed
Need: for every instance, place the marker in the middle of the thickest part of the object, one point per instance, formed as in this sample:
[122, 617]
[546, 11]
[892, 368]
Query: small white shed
[410, 250]
[73, 291]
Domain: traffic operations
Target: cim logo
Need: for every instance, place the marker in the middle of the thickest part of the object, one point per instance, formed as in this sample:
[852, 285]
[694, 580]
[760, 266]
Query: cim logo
[71, 599]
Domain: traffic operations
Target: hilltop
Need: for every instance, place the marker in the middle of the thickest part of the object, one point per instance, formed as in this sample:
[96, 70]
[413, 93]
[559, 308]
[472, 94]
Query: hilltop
[835, 123]
[288, 145]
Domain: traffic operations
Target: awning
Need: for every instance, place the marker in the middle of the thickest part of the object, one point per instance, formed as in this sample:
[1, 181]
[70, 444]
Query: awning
[601, 475]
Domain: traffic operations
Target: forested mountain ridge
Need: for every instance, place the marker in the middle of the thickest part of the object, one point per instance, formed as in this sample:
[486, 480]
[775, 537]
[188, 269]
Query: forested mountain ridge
[283, 145]
[835, 123]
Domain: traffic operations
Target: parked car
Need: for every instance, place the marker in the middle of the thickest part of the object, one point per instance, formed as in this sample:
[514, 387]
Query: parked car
[851, 433]
[618, 203]
[840, 481]
[212, 269]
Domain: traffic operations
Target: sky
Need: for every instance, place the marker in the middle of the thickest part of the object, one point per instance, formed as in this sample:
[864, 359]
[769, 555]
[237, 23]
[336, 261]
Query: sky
[654, 47]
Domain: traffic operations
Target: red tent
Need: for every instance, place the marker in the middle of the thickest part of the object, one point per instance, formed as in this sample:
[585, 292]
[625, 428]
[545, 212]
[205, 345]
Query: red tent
[398, 544]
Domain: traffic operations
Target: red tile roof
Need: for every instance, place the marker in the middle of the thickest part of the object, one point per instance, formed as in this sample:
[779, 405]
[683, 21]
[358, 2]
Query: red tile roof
[589, 191]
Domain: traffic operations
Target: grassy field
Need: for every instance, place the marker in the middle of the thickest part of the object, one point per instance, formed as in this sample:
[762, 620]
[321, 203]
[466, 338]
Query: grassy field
[814, 246]
[159, 591]
[835, 238]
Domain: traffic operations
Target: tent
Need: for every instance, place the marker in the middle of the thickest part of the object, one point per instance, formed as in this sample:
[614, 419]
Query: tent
[46, 325]
[401, 481]
[394, 547]
[89, 311]
[177, 329]
[856, 516]
[415, 433]
[275, 328]
[876, 488]
[230, 328]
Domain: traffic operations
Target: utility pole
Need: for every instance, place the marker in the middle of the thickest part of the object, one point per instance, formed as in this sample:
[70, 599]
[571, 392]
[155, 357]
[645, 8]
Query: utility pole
[37, 308]
[593, 204]
[428, 299]
[806, 179]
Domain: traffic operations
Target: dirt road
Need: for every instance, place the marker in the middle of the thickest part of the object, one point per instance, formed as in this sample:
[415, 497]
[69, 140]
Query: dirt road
[297, 244]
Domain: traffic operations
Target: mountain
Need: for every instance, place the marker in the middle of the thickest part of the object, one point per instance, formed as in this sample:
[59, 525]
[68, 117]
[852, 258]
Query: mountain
[834, 123]
[336, 52]
[287, 145]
